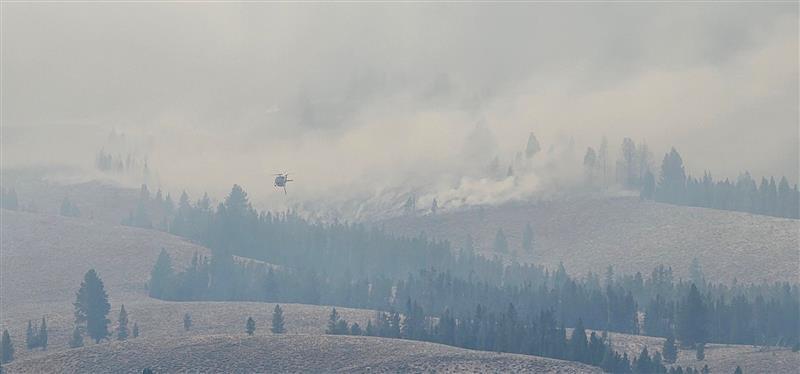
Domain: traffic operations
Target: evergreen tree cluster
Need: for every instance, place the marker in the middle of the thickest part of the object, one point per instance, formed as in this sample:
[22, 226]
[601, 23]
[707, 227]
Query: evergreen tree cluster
[36, 338]
[508, 332]
[675, 186]
[108, 162]
[151, 212]
[763, 314]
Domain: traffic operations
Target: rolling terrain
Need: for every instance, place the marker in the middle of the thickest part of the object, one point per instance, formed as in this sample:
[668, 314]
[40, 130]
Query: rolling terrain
[288, 353]
[32, 287]
[589, 234]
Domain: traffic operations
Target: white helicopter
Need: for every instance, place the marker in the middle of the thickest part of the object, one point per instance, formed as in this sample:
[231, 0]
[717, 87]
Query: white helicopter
[281, 179]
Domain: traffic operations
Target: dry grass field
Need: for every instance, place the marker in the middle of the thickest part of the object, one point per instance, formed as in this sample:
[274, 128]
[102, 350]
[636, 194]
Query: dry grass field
[588, 234]
[44, 257]
[720, 358]
[287, 353]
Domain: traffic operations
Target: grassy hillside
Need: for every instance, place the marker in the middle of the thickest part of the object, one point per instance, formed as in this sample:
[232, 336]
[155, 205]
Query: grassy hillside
[720, 358]
[44, 258]
[104, 201]
[287, 353]
[588, 234]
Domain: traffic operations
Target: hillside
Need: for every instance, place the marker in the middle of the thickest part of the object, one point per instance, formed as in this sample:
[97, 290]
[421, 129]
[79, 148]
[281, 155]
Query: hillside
[287, 353]
[589, 234]
[44, 258]
[720, 358]
[105, 201]
[32, 287]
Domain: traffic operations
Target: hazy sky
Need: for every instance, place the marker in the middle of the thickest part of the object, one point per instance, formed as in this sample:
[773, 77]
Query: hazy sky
[386, 93]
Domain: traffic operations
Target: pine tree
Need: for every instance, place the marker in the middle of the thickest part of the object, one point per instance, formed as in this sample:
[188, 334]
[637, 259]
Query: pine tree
[77, 338]
[705, 369]
[532, 147]
[277, 321]
[672, 185]
[122, 324]
[250, 326]
[92, 307]
[369, 330]
[589, 165]
[701, 351]
[670, 350]
[355, 329]
[135, 331]
[6, 348]
[527, 238]
[692, 319]
[43, 334]
[30, 337]
[500, 242]
[578, 344]
[333, 321]
[161, 275]
[187, 321]
[738, 370]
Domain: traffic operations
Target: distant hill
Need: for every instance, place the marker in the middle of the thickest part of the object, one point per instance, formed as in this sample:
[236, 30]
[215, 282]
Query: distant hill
[588, 234]
[287, 353]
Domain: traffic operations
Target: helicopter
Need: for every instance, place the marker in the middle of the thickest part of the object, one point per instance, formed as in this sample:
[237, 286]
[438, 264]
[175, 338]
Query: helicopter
[281, 179]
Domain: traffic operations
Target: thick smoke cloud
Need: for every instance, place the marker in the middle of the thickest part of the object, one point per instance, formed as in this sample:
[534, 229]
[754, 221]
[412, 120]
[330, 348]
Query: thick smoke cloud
[366, 103]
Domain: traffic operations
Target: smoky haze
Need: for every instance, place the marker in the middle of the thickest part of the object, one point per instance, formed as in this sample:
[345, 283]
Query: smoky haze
[366, 103]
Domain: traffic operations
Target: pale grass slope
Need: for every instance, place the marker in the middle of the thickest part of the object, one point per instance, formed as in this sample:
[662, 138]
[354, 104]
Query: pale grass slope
[43, 259]
[589, 234]
[720, 358]
[287, 353]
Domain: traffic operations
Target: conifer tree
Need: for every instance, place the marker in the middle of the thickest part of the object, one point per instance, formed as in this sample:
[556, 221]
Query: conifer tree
[333, 321]
[250, 326]
[122, 324]
[277, 321]
[355, 329]
[738, 370]
[77, 338]
[532, 147]
[43, 334]
[705, 369]
[692, 319]
[187, 321]
[92, 307]
[135, 331]
[578, 344]
[161, 275]
[500, 242]
[369, 330]
[527, 238]
[30, 337]
[701, 351]
[670, 350]
[6, 348]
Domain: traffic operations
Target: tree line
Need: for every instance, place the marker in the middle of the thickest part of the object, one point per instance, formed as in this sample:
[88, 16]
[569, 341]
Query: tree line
[349, 265]
[507, 332]
[672, 184]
